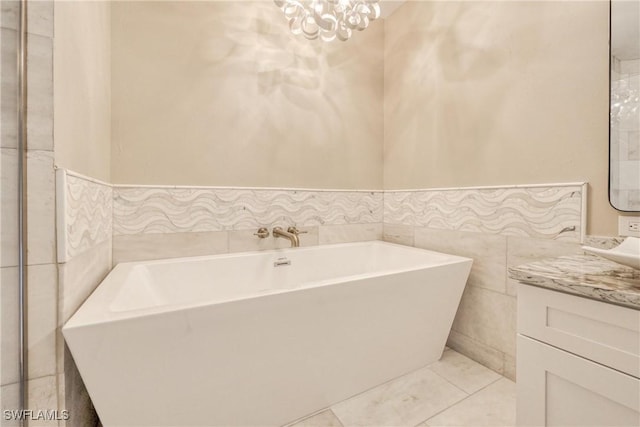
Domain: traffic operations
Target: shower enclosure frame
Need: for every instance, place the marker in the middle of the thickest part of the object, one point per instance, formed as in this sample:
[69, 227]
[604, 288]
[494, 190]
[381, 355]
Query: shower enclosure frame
[22, 202]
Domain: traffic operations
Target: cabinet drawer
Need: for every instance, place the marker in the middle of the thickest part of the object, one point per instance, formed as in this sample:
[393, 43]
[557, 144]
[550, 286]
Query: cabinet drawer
[605, 333]
[556, 388]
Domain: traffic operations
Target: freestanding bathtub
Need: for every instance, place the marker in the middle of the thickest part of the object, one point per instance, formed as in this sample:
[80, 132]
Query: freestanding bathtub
[260, 338]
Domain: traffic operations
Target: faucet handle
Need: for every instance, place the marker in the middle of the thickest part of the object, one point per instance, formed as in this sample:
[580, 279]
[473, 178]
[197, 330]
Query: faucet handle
[262, 233]
[294, 230]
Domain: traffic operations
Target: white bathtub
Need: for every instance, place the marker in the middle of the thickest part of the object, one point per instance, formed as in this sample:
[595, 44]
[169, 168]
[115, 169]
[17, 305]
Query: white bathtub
[234, 340]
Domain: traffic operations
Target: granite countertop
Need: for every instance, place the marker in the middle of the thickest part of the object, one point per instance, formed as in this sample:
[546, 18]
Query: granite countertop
[586, 275]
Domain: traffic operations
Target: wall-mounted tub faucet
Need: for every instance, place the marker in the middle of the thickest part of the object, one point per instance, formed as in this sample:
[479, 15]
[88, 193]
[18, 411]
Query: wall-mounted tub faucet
[291, 234]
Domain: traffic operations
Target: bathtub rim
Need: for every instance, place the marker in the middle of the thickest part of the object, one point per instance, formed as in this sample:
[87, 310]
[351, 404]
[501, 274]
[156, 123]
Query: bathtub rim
[93, 314]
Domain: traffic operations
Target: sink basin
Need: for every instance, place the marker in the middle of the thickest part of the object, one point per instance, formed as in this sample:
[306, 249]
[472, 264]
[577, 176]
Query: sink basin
[627, 253]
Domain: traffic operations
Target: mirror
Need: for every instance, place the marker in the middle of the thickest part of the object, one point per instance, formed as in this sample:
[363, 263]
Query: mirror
[624, 125]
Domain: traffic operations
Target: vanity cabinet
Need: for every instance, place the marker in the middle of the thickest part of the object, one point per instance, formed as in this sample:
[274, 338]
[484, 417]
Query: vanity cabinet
[578, 361]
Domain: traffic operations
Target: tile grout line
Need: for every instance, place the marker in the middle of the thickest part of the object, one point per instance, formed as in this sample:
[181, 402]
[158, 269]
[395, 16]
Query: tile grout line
[461, 400]
[447, 380]
[376, 386]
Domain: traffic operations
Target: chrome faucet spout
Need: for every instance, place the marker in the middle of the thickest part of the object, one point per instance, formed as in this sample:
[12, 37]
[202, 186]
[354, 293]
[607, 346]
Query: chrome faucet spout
[292, 237]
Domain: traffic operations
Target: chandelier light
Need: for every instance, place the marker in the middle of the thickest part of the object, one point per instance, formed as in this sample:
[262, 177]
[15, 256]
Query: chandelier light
[329, 19]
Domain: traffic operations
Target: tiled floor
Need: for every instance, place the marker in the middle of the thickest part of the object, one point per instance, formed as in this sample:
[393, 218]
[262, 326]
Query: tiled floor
[455, 391]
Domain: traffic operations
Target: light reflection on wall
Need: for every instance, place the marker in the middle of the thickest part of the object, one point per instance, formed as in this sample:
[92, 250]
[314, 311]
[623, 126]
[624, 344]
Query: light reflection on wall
[221, 93]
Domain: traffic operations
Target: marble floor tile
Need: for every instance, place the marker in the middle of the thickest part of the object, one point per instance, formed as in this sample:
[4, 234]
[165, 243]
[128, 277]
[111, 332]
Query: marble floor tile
[322, 419]
[42, 396]
[494, 405]
[405, 401]
[463, 372]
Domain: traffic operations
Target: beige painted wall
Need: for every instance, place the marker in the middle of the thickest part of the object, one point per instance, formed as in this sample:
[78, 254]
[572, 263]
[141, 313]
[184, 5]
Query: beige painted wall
[82, 87]
[220, 93]
[489, 93]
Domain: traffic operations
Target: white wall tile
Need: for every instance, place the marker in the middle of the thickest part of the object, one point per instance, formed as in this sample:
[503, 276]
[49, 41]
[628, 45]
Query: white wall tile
[509, 369]
[39, 16]
[40, 208]
[330, 234]
[80, 276]
[142, 247]
[397, 233]
[8, 94]
[488, 317]
[42, 289]
[39, 93]
[489, 253]
[245, 240]
[41, 224]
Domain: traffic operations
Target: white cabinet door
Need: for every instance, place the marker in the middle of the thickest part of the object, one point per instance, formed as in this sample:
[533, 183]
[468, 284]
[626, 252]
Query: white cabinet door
[605, 333]
[557, 388]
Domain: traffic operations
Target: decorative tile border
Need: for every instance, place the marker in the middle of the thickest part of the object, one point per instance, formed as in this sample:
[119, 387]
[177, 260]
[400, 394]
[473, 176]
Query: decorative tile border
[90, 211]
[550, 212]
[84, 212]
[196, 209]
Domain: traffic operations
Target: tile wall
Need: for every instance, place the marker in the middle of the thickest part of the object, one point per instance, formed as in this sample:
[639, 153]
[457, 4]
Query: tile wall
[163, 222]
[40, 182]
[498, 227]
[84, 245]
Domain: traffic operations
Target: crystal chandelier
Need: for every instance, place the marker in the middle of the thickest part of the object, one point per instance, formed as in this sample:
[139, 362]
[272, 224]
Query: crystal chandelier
[329, 19]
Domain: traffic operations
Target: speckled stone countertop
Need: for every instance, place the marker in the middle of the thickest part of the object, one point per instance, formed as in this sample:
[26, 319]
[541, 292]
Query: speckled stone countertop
[585, 275]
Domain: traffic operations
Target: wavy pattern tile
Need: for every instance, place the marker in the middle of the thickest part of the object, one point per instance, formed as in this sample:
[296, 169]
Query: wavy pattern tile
[541, 212]
[88, 217]
[172, 210]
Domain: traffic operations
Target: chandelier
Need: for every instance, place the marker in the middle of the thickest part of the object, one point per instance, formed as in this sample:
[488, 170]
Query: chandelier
[329, 19]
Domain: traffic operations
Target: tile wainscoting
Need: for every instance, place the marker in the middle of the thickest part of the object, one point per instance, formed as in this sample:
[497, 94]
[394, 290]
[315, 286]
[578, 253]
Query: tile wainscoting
[151, 222]
[84, 220]
[40, 210]
[162, 222]
[498, 227]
